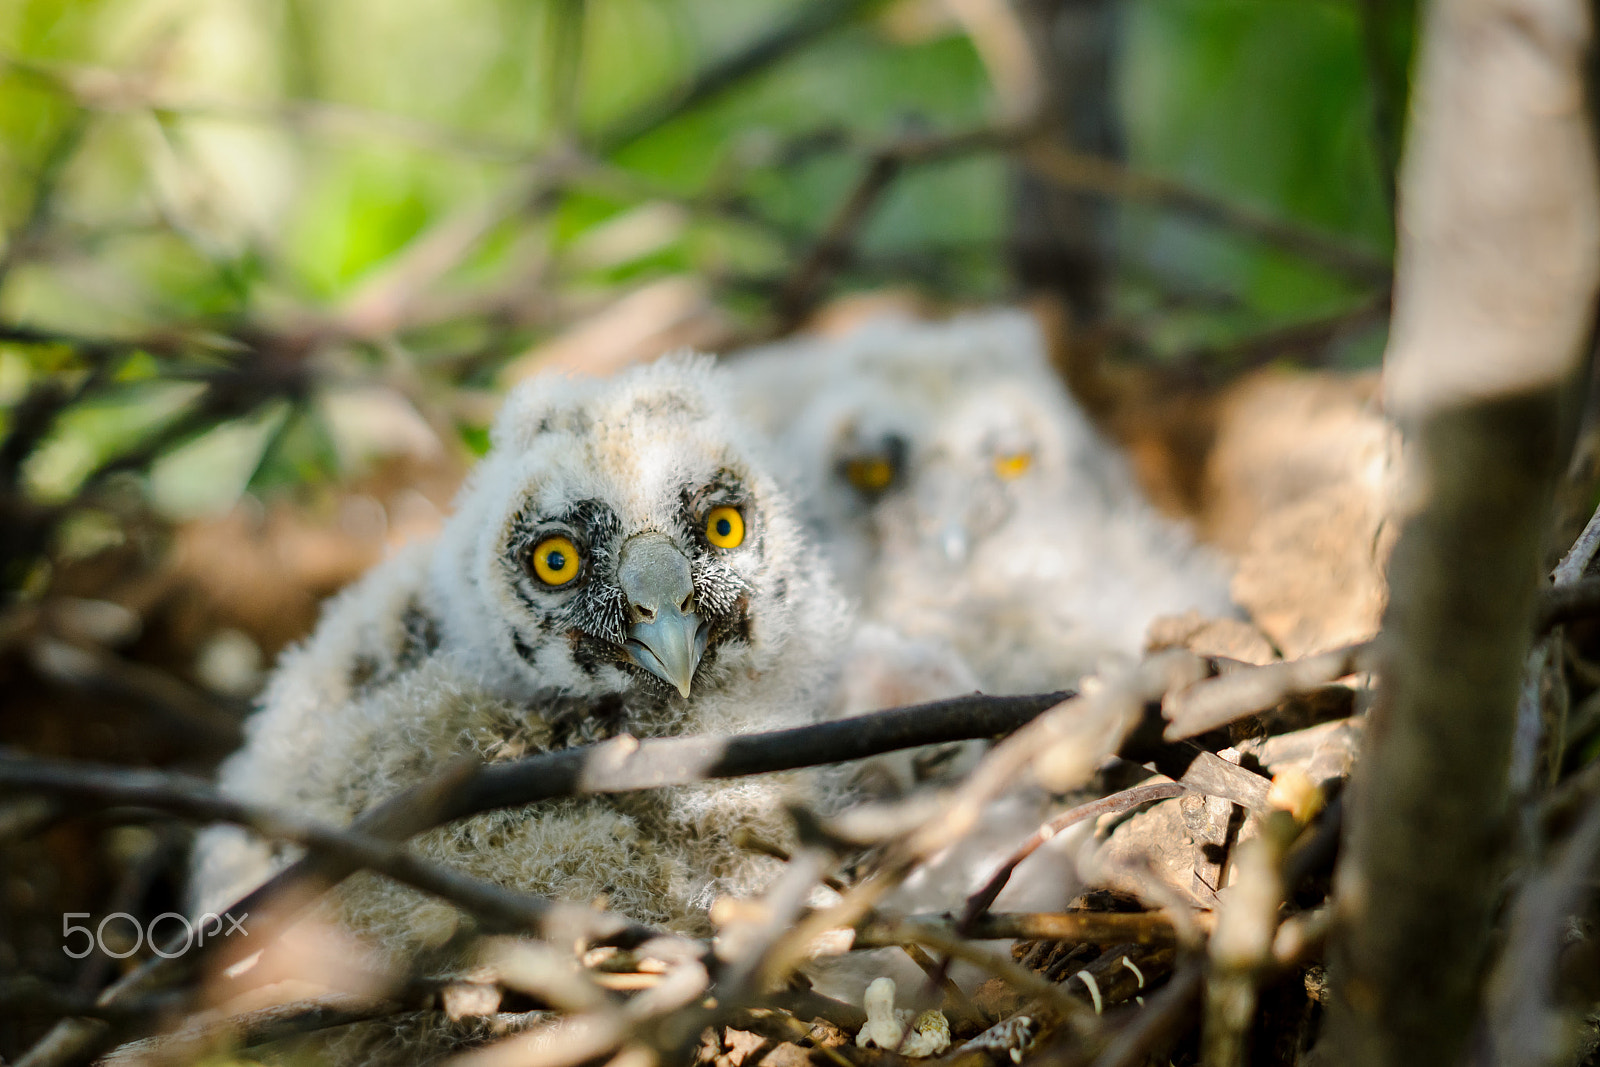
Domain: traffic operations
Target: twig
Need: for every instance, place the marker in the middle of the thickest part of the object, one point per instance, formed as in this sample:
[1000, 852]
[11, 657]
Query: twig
[1061, 748]
[979, 902]
[626, 765]
[1527, 1023]
[1576, 562]
[35, 415]
[1241, 946]
[193, 1042]
[1090, 174]
[955, 1000]
[564, 64]
[1250, 691]
[265, 910]
[203, 721]
[111, 90]
[749, 839]
[1086, 927]
[884, 932]
[799, 293]
[1214, 363]
[501, 909]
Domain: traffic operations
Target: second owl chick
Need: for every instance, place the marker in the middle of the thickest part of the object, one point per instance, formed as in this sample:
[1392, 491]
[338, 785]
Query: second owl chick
[620, 561]
[966, 498]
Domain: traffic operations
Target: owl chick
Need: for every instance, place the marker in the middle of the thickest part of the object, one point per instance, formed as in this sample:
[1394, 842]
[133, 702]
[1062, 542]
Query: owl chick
[620, 561]
[965, 498]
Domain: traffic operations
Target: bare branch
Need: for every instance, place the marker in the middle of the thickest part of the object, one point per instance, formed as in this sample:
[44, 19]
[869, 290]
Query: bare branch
[1106, 178]
[979, 902]
[1252, 690]
[501, 909]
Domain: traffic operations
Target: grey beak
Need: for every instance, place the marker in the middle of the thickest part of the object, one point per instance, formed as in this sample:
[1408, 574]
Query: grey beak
[666, 637]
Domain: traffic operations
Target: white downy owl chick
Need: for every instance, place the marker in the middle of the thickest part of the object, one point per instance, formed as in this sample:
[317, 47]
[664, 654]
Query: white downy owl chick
[620, 561]
[965, 498]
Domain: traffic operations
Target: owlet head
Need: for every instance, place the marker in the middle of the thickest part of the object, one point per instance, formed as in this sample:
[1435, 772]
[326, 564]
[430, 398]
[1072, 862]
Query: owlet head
[623, 534]
[930, 439]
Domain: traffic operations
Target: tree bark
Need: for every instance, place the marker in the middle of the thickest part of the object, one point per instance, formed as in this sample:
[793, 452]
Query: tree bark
[1498, 261]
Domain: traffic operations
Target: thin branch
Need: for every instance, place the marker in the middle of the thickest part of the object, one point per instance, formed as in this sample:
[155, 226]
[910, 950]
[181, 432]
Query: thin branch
[1086, 927]
[1240, 948]
[625, 764]
[565, 25]
[1250, 691]
[1234, 358]
[193, 798]
[1093, 175]
[941, 936]
[1576, 562]
[978, 903]
[1569, 602]
[799, 294]
[1528, 1024]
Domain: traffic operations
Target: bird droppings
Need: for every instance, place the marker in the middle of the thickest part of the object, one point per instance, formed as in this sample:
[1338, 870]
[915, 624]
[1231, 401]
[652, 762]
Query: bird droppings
[901, 1030]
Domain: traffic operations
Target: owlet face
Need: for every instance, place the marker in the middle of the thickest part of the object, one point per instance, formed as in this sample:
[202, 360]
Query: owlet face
[622, 535]
[941, 464]
[944, 475]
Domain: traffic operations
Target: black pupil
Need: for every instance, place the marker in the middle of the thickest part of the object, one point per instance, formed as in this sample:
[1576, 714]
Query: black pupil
[724, 528]
[556, 560]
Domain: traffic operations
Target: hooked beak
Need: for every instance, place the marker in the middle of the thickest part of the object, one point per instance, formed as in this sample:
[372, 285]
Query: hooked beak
[666, 637]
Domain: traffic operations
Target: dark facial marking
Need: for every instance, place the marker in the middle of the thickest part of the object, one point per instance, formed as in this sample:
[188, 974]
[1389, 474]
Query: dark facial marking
[421, 636]
[363, 669]
[522, 649]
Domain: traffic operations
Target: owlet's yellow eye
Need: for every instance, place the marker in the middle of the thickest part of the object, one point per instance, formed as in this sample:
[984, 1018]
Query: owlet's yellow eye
[870, 474]
[1012, 466]
[555, 561]
[725, 527]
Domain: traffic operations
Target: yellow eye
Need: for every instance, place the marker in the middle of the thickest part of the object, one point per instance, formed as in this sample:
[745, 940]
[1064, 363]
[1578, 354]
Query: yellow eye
[725, 527]
[555, 561]
[870, 474]
[1012, 466]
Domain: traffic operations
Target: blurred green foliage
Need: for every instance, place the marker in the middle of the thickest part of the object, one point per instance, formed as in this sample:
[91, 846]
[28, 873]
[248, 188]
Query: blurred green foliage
[248, 168]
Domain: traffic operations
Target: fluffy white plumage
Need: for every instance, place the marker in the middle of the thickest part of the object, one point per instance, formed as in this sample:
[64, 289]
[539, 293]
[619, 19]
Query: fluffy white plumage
[967, 500]
[460, 646]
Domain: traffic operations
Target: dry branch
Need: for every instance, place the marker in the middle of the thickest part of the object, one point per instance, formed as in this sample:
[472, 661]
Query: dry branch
[1219, 701]
[1091, 174]
[979, 902]
[88, 784]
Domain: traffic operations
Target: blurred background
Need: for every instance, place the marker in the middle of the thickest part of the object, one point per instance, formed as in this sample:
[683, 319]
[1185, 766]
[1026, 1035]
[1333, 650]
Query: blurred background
[267, 265]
